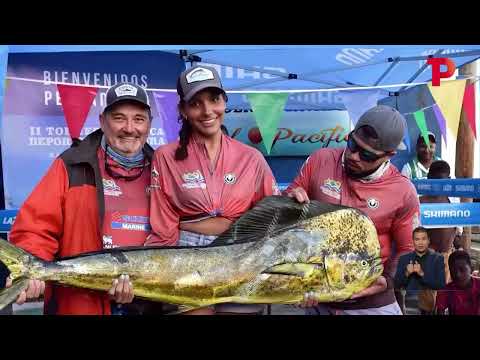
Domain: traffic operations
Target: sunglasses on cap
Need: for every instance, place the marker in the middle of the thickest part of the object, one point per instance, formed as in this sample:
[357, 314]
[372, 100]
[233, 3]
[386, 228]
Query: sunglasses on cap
[364, 154]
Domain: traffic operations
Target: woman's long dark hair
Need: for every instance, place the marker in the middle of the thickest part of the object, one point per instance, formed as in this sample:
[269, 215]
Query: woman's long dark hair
[186, 132]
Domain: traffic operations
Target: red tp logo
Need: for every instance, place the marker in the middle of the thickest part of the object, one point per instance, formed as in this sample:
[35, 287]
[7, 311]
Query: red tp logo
[436, 73]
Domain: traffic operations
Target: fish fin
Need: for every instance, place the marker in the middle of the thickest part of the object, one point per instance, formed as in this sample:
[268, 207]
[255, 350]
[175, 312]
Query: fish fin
[272, 215]
[9, 295]
[14, 258]
[296, 269]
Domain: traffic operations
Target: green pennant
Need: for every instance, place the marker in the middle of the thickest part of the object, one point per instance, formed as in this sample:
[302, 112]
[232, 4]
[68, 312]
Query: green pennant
[422, 125]
[267, 110]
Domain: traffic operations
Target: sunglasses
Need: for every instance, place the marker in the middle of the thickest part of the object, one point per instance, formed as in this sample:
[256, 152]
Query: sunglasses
[364, 154]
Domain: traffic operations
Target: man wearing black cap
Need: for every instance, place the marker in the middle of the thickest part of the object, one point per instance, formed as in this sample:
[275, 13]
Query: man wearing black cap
[362, 177]
[417, 167]
[87, 201]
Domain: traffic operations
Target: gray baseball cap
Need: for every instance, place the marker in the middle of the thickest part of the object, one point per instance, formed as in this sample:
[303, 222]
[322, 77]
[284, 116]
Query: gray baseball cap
[127, 91]
[195, 79]
[388, 123]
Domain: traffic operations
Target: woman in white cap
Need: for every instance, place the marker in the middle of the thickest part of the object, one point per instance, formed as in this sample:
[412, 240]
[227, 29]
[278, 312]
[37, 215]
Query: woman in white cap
[206, 180]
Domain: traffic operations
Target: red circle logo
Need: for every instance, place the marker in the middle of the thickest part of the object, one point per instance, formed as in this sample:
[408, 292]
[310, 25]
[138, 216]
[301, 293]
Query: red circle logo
[254, 135]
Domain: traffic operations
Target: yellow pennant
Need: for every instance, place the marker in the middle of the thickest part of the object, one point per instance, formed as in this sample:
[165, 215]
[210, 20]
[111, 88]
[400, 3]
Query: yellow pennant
[449, 98]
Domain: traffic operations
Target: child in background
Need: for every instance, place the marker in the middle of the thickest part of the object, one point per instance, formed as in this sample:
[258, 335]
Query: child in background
[462, 295]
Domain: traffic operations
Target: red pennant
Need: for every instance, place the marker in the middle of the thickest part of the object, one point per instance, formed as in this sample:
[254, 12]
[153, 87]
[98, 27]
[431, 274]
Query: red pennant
[76, 103]
[469, 107]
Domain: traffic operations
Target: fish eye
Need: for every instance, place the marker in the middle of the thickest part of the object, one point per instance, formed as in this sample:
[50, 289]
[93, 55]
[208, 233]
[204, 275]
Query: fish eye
[364, 263]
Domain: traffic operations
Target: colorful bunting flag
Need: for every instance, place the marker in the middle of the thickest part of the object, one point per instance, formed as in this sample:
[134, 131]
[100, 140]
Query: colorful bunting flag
[441, 121]
[166, 103]
[422, 125]
[406, 139]
[449, 97]
[357, 102]
[469, 107]
[267, 110]
[76, 103]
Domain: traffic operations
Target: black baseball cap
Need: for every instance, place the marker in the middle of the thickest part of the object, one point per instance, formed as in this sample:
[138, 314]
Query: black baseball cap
[127, 91]
[197, 78]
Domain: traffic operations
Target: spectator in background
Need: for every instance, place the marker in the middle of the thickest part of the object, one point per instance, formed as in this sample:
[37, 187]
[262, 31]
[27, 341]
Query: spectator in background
[441, 239]
[418, 166]
[421, 272]
[462, 295]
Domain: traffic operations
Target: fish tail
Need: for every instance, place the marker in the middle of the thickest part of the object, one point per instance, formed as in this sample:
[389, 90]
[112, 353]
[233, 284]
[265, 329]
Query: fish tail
[17, 261]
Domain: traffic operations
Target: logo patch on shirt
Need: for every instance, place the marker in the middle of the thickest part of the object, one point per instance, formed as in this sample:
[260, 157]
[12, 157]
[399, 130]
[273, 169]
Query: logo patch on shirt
[107, 242]
[130, 222]
[230, 179]
[155, 173]
[194, 180]
[110, 188]
[373, 203]
[332, 188]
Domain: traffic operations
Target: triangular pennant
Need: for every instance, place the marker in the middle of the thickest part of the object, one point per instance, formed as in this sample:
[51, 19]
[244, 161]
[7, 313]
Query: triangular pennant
[469, 107]
[441, 121]
[449, 96]
[357, 102]
[267, 110]
[406, 139]
[422, 125]
[166, 103]
[76, 103]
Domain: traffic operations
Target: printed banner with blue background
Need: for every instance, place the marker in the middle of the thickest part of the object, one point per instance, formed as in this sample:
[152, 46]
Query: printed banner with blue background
[464, 187]
[299, 133]
[450, 215]
[34, 129]
[3, 84]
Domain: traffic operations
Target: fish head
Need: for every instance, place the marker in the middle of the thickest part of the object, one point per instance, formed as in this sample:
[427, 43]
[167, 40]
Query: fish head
[351, 271]
[350, 250]
[361, 270]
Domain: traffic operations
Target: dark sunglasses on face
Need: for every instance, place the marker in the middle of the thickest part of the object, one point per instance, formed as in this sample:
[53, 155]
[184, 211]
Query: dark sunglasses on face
[364, 154]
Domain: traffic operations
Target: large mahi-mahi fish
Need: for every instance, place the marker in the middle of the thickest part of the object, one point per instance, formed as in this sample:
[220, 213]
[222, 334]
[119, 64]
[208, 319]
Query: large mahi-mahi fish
[274, 253]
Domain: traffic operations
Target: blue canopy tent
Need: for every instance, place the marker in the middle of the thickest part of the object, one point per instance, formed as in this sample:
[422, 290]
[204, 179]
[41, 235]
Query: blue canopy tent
[314, 75]
[320, 68]
[300, 67]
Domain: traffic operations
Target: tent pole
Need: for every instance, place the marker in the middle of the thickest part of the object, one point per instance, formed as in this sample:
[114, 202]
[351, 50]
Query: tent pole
[392, 65]
[419, 71]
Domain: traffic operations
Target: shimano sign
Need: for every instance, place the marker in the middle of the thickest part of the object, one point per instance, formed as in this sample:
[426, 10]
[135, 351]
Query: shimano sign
[449, 215]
